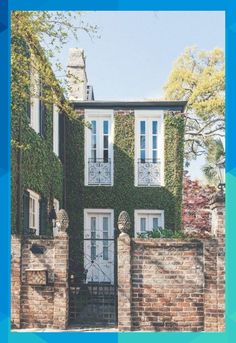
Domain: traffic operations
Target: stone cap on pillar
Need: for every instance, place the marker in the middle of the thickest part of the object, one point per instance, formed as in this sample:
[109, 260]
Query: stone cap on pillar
[62, 221]
[124, 223]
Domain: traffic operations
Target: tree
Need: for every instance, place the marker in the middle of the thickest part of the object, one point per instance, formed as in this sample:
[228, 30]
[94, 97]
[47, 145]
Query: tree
[196, 205]
[215, 150]
[37, 39]
[199, 77]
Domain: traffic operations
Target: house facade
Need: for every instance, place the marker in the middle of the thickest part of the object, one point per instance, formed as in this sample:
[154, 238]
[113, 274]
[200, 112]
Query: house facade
[112, 156]
[120, 155]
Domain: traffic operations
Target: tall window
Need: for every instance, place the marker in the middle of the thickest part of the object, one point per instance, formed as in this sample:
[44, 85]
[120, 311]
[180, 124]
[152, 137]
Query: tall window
[148, 135]
[55, 130]
[149, 149]
[98, 149]
[105, 238]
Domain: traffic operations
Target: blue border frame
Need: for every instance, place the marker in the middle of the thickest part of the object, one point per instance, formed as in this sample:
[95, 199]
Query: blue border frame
[230, 8]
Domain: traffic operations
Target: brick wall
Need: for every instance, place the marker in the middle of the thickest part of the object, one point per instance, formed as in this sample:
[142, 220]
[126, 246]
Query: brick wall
[173, 285]
[39, 305]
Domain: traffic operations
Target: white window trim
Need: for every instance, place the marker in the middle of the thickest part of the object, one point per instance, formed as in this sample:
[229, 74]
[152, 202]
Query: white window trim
[159, 116]
[88, 211]
[34, 98]
[55, 130]
[89, 115]
[56, 205]
[35, 196]
[138, 213]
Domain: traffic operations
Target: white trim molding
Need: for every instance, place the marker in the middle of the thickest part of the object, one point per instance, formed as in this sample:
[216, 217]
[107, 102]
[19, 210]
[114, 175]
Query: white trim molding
[99, 115]
[148, 214]
[56, 130]
[34, 223]
[148, 116]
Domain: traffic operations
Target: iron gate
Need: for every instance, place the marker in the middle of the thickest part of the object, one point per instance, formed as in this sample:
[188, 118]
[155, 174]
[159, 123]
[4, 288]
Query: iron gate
[93, 302]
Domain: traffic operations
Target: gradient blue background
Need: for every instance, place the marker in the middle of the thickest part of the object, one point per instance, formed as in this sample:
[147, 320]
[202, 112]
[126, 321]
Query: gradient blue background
[230, 7]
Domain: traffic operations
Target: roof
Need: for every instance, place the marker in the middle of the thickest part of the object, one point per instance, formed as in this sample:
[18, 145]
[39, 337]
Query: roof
[160, 105]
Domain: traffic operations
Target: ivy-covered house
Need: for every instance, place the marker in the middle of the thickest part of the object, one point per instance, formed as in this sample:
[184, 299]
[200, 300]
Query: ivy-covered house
[112, 156]
[37, 154]
[128, 156]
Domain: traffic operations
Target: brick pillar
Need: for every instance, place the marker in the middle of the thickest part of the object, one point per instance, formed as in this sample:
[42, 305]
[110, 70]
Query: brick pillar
[15, 281]
[124, 282]
[215, 268]
[61, 289]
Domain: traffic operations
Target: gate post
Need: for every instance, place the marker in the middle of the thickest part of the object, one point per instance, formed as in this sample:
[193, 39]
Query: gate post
[124, 273]
[61, 258]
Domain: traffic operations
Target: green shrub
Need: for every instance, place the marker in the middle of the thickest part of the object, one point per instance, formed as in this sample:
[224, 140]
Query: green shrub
[162, 233]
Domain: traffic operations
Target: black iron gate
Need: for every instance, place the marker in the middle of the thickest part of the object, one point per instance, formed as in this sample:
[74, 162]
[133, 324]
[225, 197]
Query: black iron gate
[93, 303]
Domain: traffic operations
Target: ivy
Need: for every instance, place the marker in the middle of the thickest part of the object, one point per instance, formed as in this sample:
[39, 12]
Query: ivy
[41, 170]
[123, 195]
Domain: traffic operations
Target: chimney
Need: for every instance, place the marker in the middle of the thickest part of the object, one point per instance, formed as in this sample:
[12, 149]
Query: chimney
[76, 75]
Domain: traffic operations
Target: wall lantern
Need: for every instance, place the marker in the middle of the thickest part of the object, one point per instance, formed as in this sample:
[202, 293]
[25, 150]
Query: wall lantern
[221, 173]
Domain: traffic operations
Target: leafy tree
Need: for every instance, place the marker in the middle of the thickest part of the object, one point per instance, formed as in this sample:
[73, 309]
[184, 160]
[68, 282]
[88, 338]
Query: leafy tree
[215, 153]
[199, 77]
[36, 40]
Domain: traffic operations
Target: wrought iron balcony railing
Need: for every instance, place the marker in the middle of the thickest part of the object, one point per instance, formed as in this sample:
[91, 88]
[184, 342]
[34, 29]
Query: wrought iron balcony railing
[149, 172]
[99, 171]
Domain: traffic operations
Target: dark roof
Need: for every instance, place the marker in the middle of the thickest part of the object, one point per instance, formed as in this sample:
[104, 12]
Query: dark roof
[160, 105]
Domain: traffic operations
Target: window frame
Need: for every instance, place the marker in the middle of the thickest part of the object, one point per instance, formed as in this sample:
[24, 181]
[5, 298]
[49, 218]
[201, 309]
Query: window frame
[99, 115]
[147, 213]
[56, 129]
[36, 198]
[148, 116]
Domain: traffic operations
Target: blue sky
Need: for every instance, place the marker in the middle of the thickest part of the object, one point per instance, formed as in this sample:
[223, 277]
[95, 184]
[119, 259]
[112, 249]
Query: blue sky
[136, 51]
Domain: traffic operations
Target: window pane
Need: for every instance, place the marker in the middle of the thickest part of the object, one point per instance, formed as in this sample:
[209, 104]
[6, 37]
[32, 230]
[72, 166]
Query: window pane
[93, 124]
[143, 224]
[94, 141]
[105, 236]
[105, 223]
[105, 142]
[93, 224]
[142, 127]
[154, 127]
[142, 156]
[142, 142]
[154, 156]
[105, 156]
[93, 252]
[93, 155]
[154, 142]
[105, 253]
[105, 127]
[155, 223]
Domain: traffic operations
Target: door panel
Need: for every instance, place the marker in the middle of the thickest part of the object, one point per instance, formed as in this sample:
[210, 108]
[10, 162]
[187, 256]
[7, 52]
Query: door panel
[99, 248]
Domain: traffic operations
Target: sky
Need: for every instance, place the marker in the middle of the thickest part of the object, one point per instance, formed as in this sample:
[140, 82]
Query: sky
[136, 50]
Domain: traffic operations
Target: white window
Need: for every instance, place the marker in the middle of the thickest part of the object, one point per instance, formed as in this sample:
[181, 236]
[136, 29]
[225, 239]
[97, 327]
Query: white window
[35, 92]
[147, 220]
[34, 211]
[99, 245]
[149, 148]
[55, 130]
[99, 148]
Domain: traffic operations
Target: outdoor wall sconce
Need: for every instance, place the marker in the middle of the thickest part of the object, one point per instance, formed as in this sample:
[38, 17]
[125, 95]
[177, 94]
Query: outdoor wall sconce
[37, 249]
[221, 174]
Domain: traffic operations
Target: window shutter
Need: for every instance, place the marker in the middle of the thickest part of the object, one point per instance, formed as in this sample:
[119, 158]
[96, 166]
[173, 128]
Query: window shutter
[43, 216]
[26, 212]
[61, 137]
[41, 111]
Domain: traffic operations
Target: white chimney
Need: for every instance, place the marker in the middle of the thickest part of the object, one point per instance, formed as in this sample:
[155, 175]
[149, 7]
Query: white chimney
[76, 75]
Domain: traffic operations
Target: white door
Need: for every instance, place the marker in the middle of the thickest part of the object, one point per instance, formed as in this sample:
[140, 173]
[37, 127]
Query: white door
[99, 246]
